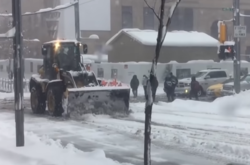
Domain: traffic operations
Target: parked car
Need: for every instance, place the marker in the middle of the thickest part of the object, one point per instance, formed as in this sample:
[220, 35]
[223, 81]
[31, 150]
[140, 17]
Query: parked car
[206, 78]
[215, 91]
[228, 88]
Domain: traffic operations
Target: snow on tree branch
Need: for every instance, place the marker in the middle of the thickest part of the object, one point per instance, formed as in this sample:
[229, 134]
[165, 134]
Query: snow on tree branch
[45, 10]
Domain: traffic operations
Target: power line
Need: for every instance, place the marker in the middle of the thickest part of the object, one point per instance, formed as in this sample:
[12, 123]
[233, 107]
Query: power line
[46, 10]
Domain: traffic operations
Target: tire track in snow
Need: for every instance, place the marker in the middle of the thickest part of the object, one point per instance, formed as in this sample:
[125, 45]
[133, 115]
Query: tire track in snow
[177, 130]
[210, 155]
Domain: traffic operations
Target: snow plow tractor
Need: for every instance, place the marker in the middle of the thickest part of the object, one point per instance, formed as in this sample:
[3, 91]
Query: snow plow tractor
[65, 87]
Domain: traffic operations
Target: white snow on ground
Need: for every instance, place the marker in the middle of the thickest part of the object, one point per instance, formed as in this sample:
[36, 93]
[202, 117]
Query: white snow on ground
[219, 128]
[159, 91]
[42, 150]
[10, 96]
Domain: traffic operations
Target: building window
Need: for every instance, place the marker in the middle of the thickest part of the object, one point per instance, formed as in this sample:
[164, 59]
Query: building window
[182, 19]
[114, 73]
[148, 18]
[183, 73]
[247, 20]
[100, 72]
[127, 17]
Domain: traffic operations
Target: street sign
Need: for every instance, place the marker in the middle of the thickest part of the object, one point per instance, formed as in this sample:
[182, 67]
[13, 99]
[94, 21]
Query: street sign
[240, 31]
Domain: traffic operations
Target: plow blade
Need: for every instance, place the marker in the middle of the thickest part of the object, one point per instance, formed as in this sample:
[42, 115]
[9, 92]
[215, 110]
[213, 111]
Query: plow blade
[112, 101]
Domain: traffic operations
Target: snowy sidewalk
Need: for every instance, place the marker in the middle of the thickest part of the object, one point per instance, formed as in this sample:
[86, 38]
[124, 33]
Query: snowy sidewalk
[43, 150]
[106, 142]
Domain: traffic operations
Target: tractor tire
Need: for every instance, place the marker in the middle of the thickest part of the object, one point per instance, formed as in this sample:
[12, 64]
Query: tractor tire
[37, 101]
[54, 101]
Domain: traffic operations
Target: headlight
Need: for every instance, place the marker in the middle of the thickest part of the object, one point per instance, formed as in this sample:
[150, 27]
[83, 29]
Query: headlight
[186, 91]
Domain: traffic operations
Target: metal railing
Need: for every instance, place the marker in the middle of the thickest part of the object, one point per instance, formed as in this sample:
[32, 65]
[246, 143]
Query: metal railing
[7, 85]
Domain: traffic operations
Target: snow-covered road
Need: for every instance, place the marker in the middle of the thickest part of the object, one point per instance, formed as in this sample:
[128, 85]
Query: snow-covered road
[120, 145]
[183, 132]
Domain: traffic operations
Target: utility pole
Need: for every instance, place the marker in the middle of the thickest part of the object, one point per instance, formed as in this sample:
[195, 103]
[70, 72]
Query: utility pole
[237, 59]
[77, 21]
[18, 76]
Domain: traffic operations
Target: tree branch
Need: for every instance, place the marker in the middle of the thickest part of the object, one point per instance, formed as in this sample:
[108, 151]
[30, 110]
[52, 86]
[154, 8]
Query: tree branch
[152, 9]
[152, 82]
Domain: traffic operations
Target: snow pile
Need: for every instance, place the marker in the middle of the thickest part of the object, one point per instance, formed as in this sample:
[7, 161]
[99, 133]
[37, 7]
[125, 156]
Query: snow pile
[236, 105]
[92, 58]
[44, 151]
[200, 61]
[220, 127]
[231, 61]
[9, 34]
[174, 38]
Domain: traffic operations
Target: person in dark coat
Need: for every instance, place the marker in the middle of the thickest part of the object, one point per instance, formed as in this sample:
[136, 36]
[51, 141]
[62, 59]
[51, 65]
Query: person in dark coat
[168, 87]
[134, 84]
[144, 84]
[195, 87]
[154, 84]
[174, 81]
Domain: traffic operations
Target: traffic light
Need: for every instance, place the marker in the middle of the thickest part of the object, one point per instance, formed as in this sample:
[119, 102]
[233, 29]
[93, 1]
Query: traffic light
[226, 52]
[222, 32]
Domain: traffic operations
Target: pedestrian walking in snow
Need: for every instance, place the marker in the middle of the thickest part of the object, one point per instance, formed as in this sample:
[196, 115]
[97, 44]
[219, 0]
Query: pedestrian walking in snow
[134, 84]
[168, 87]
[195, 87]
[174, 81]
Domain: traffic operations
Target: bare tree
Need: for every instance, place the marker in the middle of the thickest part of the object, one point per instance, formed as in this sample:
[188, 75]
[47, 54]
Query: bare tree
[162, 32]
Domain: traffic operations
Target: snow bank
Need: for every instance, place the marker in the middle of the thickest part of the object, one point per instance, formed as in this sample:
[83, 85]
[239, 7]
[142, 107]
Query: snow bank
[231, 61]
[220, 127]
[174, 38]
[200, 61]
[236, 105]
[10, 96]
[9, 33]
[42, 150]
[92, 58]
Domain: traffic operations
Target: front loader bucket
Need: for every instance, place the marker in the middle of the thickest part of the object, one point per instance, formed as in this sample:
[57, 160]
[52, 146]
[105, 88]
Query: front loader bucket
[113, 101]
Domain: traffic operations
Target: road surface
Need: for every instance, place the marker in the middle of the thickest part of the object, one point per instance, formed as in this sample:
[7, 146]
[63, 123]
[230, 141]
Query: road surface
[118, 145]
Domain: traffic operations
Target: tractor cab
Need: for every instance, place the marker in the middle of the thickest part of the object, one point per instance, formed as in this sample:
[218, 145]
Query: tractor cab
[61, 55]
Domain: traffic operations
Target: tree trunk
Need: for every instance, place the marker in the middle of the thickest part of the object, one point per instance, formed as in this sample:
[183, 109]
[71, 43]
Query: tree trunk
[149, 98]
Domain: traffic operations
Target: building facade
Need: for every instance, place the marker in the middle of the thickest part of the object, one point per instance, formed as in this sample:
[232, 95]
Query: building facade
[36, 28]
[191, 15]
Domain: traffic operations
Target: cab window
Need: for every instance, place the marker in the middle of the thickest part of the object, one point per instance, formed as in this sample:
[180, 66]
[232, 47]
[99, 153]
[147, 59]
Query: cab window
[217, 74]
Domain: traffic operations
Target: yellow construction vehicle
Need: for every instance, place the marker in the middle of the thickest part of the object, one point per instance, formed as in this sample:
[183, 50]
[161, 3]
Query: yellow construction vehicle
[64, 86]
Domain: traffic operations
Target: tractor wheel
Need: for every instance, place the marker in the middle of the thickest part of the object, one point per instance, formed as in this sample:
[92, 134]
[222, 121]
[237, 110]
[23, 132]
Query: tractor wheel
[54, 101]
[37, 101]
